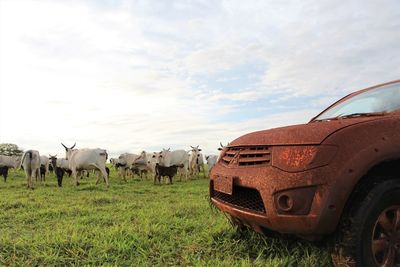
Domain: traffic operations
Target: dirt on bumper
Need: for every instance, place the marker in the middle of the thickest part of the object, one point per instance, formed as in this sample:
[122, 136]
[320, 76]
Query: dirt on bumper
[269, 198]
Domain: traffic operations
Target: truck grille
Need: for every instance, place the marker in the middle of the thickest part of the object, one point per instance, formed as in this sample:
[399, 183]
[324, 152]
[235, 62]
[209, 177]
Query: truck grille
[247, 156]
[242, 197]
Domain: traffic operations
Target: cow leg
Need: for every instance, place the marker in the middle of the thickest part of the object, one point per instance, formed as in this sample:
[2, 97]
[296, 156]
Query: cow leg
[123, 173]
[75, 175]
[99, 175]
[42, 176]
[27, 175]
[80, 174]
[204, 171]
[28, 183]
[5, 174]
[104, 174]
[37, 174]
[60, 173]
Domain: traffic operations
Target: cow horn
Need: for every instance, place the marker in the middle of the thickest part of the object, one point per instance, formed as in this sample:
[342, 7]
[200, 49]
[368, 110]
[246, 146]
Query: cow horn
[64, 146]
[220, 143]
[73, 145]
[192, 147]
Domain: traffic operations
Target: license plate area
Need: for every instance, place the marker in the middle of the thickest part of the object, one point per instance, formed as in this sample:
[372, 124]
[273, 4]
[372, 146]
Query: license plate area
[224, 184]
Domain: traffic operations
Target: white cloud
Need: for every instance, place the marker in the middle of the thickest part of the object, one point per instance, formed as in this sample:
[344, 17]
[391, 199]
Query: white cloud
[123, 75]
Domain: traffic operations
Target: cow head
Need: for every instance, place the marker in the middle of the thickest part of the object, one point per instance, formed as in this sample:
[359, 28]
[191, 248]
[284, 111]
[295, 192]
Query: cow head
[164, 157]
[195, 152]
[68, 150]
[222, 146]
[121, 161]
[197, 149]
[53, 160]
[142, 156]
[154, 158]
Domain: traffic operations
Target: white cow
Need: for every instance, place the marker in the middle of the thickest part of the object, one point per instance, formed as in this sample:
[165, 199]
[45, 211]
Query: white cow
[10, 161]
[195, 161]
[31, 163]
[86, 159]
[179, 158]
[150, 160]
[211, 161]
[125, 162]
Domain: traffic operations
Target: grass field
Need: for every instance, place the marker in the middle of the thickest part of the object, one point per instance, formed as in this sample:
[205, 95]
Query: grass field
[134, 223]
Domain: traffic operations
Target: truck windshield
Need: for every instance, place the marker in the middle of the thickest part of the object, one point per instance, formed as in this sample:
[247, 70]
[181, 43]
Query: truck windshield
[372, 102]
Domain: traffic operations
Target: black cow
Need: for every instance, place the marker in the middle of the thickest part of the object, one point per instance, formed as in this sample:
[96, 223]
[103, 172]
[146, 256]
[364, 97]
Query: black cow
[4, 172]
[42, 173]
[60, 174]
[165, 171]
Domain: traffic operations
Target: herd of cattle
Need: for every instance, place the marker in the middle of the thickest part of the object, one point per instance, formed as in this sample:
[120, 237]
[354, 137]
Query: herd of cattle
[78, 162]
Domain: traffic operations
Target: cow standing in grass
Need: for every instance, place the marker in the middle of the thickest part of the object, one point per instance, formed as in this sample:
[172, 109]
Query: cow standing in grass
[196, 162]
[125, 162]
[7, 162]
[147, 161]
[31, 165]
[44, 167]
[86, 159]
[167, 158]
[10, 161]
[161, 171]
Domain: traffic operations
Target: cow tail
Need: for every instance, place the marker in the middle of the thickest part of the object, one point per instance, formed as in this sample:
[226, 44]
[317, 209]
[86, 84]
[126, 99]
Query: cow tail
[23, 158]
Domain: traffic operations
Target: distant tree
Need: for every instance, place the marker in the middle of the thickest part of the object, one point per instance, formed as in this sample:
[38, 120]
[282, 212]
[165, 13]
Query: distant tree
[10, 150]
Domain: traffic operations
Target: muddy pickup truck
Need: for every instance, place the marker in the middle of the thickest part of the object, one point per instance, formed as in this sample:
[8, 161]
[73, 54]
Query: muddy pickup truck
[338, 175]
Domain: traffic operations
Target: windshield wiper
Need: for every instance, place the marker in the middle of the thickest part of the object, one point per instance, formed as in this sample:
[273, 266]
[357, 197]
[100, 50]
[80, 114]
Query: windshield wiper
[354, 115]
[360, 114]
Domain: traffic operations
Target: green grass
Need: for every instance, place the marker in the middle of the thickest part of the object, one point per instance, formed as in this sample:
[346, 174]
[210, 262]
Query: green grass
[134, 223]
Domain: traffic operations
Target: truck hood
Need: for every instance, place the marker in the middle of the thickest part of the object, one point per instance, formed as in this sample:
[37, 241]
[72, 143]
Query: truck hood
[303, 134]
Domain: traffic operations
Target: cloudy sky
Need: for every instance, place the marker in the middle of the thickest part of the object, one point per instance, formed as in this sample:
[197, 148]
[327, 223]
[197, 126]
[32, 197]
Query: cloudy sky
[148, 74]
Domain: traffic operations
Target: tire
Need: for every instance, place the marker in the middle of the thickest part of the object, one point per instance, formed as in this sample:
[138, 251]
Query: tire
[373, 222]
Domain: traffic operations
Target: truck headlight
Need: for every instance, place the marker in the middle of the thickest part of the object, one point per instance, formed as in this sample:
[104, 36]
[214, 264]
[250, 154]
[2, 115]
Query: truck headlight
[301, 158]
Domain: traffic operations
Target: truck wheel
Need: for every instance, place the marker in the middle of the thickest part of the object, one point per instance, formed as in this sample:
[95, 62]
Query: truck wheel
[370, 234]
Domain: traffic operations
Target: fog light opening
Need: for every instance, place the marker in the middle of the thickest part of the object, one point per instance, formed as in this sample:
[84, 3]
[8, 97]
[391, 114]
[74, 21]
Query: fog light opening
[285, 202]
